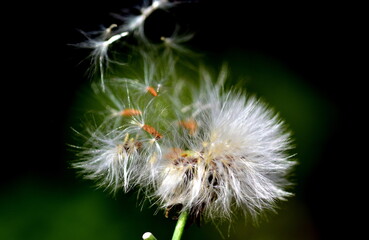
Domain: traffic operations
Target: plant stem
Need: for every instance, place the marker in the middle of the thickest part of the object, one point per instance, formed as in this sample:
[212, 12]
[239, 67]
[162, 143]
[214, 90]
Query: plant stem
[178, 231]
[148, 236]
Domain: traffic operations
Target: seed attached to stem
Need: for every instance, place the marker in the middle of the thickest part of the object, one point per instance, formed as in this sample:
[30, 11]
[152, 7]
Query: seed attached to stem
[152, 91]
[151, 130]
[129, 112]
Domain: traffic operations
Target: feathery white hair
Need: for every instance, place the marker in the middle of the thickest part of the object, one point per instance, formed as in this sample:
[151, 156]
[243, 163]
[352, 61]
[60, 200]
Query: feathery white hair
[236, 158]
[193, 147]
[225, 152]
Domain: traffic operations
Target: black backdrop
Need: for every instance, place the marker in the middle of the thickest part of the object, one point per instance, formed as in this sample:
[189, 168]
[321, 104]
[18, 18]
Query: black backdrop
[42, 74]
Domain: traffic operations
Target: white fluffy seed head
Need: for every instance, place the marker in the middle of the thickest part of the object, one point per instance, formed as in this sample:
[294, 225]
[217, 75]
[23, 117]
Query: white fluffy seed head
[212, 154]
[193, 147]
[236, 160]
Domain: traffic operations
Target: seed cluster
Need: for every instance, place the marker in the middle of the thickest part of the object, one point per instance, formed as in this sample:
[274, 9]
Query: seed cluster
[188, 144]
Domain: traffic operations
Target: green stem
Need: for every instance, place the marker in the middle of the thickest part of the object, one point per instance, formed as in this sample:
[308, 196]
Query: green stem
[178, 231]
[148, 236]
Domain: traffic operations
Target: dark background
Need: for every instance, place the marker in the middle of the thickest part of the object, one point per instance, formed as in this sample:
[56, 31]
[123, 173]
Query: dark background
[307, 54]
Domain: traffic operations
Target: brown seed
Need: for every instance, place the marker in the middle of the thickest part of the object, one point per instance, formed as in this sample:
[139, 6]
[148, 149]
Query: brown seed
[152, 91]
[129, 112]
[190, 125]
[151, 130]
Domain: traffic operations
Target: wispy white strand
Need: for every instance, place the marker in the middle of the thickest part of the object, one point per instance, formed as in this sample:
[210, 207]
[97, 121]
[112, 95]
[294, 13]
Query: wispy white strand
[100, 46]
[135, 23]
[132, 24]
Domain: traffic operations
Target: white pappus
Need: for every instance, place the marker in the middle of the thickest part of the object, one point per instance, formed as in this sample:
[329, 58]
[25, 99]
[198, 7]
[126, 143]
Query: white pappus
[235, 159]
[189, 146]
[224, 152]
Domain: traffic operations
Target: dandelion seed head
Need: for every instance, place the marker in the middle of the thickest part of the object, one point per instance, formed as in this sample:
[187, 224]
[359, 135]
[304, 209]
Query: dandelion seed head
[237, 160]
[194, 147]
